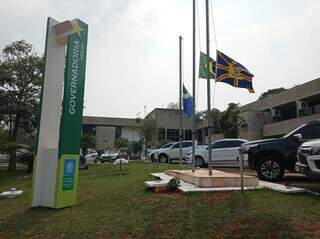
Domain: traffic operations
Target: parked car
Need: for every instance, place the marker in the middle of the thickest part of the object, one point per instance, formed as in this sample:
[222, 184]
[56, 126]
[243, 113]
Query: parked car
[92, 156]
[23, 156]
[4, 158]
[309, 158]
[108, 156]
[152, 153]
[271, 157]
[225, 152]
[171, 153]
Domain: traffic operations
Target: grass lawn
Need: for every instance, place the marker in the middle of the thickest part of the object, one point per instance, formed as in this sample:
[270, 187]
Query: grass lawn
[113, 206]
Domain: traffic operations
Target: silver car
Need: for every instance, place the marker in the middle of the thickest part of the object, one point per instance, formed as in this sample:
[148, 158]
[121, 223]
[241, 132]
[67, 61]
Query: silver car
[225, 152]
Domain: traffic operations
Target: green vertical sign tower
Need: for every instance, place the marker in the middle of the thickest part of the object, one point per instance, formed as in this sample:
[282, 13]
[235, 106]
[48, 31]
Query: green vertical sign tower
[56, 164]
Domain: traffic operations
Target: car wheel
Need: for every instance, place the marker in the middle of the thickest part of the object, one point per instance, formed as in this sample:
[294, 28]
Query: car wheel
[270, 169]
[199, 162]
[163, 158]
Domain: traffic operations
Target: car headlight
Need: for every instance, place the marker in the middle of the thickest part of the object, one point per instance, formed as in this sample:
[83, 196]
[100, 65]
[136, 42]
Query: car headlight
[315, 151]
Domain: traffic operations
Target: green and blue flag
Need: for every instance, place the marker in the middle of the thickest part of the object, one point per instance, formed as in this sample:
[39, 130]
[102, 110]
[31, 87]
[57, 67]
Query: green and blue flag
[233, 73]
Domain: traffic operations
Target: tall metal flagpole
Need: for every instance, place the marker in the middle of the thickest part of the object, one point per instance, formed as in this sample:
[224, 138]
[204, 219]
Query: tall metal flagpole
[208, 89]
[193, 84]
[180, 100]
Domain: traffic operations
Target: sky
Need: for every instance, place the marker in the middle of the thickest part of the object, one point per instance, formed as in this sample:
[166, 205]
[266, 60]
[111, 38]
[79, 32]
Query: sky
[132, 56]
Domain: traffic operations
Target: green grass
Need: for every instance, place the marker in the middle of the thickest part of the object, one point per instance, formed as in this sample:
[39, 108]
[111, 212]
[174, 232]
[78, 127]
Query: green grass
[114, 206]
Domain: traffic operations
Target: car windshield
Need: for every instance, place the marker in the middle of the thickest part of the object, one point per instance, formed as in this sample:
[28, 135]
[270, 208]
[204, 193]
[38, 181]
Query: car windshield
[166, 146]
[293, 132]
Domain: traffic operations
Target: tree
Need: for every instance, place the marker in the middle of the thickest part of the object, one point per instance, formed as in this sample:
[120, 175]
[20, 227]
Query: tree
[215, 117]
[271, 92]
[230, 121]
[20, 81]
[120, 143]
[149, 130]
[135, 148]
[88, 141]
[173, 105]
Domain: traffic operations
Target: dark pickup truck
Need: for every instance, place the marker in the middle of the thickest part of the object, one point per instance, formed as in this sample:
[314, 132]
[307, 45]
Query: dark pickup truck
[271, 157]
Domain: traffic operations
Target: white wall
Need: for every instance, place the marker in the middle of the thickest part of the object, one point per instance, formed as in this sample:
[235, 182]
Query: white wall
[130, 133]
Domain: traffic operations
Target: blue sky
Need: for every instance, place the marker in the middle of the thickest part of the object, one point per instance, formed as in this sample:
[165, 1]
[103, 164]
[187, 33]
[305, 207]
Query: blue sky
[133, 46]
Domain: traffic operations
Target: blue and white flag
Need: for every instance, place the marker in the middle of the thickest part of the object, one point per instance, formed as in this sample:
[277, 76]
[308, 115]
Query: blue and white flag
[187, 103]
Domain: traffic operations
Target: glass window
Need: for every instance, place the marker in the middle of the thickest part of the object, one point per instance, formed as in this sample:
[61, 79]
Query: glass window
[166, 146]
[235, 143]
[118, 133]
[175, 146]
[188, 134]
[218, 145]
[186, 144]
[311, 131]
[89, 129]
[161, 134]
[173, 134]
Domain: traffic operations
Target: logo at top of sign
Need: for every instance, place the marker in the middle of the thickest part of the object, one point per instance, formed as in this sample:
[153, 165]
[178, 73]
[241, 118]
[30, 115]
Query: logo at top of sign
[76, 28]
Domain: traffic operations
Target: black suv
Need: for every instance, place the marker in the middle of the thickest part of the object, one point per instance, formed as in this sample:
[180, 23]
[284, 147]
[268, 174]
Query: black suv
[271, 157]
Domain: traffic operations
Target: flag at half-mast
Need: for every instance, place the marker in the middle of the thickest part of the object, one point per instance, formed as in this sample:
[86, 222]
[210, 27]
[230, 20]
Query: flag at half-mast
[233, 73]
[187, 103]
[207, 67]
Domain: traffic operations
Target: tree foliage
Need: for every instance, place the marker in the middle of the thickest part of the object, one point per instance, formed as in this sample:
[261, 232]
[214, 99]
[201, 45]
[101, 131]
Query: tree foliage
[149, 130]
[271, 92]
[20, 80]
[230, 121]
[120, 143]
[226, 122]
[88, 141]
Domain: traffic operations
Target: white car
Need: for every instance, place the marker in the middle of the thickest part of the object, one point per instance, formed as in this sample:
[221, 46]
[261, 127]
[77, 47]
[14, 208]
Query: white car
[169, 154]
[4, 158]
[92, 156]
[309, 158]
[225, 152]
[153, 152]
[108, 156]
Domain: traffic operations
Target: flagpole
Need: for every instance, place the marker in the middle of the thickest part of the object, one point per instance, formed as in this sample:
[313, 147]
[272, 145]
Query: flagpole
[180, 100]
[208, 89]
[193, 83]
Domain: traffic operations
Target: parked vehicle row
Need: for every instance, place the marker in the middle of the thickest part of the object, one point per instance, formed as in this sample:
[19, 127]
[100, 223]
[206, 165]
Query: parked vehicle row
[297, 151]
[92, 156]
[22, 156]
[225, 152]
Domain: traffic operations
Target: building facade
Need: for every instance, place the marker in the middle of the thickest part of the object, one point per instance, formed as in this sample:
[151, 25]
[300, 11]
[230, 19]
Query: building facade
[168, 121]
[108, 129]
[279, 114]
